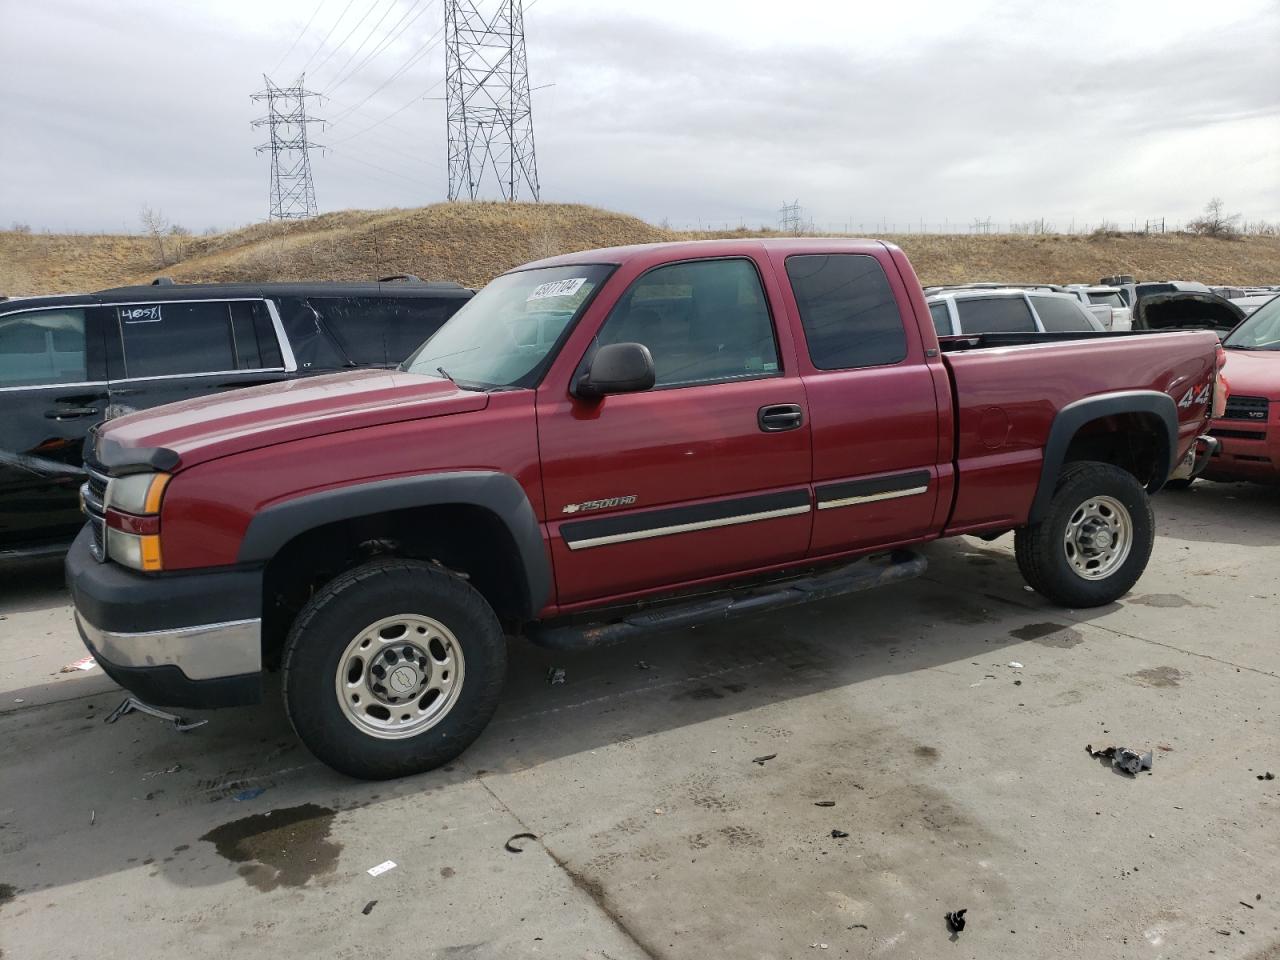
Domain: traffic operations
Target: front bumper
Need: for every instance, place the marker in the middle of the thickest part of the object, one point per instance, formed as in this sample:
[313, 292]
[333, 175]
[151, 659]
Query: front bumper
[1250, 451]
[1198, 458]
[152, 634]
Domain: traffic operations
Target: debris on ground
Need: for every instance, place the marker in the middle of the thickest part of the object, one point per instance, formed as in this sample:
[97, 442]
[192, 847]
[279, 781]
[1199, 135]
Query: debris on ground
[824, 803]
[510, 846]
[857, 926]
[555, 676]
[131, 704]
[1122, 758]
[251, 794]
[84, 663]
[643, 665]
[1266, 776]
[838, 834]
[955, 920]
[764, 759]
[93, 818]
[1015, 665]
[368, 907]
[381, 868]
[1244, 904]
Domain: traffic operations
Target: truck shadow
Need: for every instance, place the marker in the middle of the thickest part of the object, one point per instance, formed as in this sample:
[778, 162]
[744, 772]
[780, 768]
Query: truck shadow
[1244, 514]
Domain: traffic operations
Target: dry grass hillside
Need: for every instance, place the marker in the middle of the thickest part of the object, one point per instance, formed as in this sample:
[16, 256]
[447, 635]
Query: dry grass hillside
[472, 242]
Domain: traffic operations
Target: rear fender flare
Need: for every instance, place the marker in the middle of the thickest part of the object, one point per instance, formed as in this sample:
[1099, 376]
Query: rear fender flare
[1075, 415]
[499, 493]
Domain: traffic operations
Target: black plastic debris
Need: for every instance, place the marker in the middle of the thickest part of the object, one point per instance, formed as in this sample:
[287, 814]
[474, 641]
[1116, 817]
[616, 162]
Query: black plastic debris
[368, 907]
[1122, 758]
[1266, 776]
[838, 834]
[955, 920]
[510, 845]
[555, 676]
[824, 803]
[643, 665]
[764, 759]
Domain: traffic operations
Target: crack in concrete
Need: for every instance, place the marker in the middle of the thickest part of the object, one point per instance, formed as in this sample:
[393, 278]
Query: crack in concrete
[595, 891]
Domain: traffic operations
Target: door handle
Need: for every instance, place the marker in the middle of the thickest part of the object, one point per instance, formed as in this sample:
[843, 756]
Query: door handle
[71, 413]
[778, 417]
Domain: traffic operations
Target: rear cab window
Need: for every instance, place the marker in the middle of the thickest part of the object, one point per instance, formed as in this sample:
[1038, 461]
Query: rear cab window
[848, 311]
[1060, 315]
[995, 315]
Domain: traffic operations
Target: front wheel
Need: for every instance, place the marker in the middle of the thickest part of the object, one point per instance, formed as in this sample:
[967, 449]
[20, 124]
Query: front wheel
[1095, 540]
[393, 668]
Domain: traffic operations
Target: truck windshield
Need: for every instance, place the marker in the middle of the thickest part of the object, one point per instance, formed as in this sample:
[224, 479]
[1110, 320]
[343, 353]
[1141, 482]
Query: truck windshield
[506, 335]
[1260, 332]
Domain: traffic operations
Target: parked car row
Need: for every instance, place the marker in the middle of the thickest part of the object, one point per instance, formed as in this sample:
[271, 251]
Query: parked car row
[69, 362]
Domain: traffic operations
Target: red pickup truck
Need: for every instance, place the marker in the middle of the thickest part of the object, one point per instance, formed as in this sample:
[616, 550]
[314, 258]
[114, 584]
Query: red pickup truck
[596, 446]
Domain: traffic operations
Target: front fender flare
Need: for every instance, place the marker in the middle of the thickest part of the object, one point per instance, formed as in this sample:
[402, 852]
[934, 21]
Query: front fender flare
[499, 493]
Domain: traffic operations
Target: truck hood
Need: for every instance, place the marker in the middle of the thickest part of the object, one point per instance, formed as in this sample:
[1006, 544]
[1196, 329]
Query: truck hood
[1253, 373]
[205, 428]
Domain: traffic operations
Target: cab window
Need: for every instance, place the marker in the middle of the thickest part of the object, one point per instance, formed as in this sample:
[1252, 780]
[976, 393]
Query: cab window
[848, 311]
[704, 321]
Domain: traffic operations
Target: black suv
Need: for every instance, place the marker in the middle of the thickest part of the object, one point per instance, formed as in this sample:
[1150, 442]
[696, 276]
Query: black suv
[69, 362]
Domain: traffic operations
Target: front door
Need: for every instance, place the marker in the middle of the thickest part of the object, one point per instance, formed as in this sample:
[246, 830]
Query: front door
[52, 390]
[705, 474]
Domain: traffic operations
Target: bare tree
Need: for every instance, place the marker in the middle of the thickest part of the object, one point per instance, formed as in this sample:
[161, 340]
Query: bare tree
[156, 225]
[1216, 222]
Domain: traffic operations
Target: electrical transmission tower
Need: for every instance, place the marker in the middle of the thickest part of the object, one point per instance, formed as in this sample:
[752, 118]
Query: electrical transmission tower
[293, 194]
[487, 99]
[791, 218]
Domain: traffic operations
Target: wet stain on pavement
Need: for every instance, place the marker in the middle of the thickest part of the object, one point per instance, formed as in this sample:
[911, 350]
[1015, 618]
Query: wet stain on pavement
[1048, 635]
[7, 892]
[1162, 600]
[1158, 677]
[282, 848]
[927, 753]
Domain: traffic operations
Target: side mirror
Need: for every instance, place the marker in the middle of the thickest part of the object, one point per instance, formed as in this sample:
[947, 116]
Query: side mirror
[617, 368]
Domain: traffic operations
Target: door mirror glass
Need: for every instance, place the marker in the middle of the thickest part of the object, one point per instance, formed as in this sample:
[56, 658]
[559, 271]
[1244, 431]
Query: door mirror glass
[617, 368]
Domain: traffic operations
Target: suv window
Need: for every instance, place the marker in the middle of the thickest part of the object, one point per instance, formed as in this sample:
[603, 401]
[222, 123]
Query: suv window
[173, 338]
[42, 346]
[1107, 299]
[382, 330]
[254, 336]
[705, 321]
[1060, 315]
[847, 309]
[941, 318]
[995, 315]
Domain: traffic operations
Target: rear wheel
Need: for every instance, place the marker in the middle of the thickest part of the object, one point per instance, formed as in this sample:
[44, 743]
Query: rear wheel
[393, 668]
[1095, 539]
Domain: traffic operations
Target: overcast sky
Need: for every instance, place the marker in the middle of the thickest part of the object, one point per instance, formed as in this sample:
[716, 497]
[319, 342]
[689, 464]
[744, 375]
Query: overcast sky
[688, 110]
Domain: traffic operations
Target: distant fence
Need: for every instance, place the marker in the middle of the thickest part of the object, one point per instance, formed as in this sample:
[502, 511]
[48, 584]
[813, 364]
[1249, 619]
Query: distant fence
[977, 226]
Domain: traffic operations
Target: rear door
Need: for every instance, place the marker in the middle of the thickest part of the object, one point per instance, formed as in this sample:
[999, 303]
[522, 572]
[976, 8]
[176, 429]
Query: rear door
[162, 352]
[52, 390]
[872, 405]
[704, 475]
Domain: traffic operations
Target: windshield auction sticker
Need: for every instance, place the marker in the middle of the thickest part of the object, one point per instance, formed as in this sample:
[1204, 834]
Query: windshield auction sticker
[557, 288]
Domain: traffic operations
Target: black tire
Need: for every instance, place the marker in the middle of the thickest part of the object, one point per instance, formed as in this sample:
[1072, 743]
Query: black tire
[344, 608]
[1040, 550]
[1182, 484]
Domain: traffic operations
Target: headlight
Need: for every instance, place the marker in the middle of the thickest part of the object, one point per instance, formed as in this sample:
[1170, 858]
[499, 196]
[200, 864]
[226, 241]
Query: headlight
[133, 520]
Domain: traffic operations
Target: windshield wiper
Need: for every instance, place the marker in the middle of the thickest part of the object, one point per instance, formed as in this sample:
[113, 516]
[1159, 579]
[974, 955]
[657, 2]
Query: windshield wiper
[445, 373]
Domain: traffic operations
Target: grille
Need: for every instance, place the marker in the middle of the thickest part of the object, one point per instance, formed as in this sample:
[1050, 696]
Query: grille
[94, 494]
[1247, 408]
[1237, 434]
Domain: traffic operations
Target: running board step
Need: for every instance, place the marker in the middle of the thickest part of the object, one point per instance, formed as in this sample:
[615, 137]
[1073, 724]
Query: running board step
[851, 578]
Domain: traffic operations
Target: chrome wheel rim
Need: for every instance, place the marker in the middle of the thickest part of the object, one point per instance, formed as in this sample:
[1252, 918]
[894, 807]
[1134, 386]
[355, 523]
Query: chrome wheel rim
[399, 676]
[1098, 537]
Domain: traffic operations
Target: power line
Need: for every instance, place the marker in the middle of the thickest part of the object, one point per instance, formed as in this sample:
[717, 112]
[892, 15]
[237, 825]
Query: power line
[292, 192]
[488, 101]
[367, 37]
[328, 35]
[392, 35]
[415, 99]
[293, 45]
[430, 45]
[350, 33]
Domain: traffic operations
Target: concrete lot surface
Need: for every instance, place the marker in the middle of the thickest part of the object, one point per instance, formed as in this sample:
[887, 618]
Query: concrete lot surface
[961, 780]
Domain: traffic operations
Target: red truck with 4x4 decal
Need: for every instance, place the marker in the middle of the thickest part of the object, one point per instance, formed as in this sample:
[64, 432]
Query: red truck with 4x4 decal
[599, 445]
